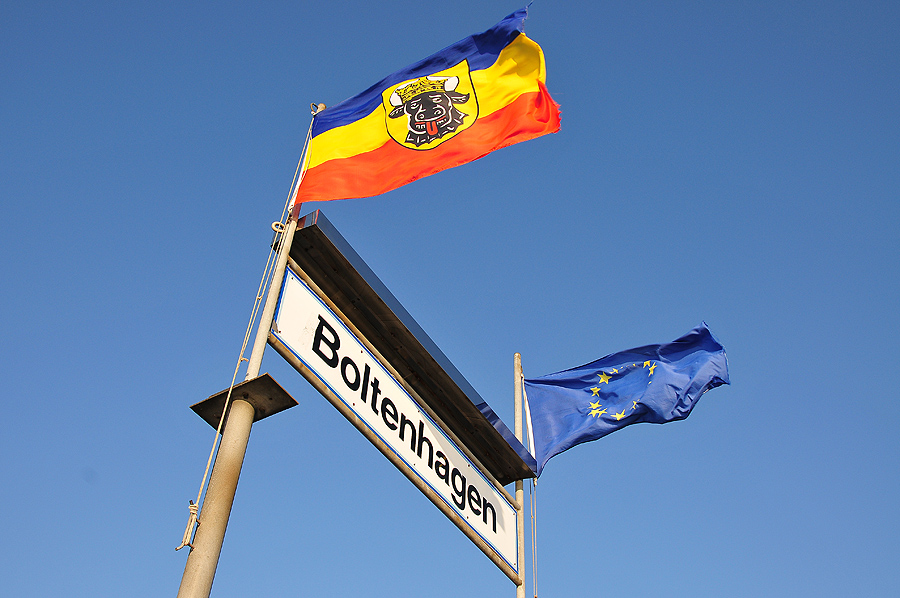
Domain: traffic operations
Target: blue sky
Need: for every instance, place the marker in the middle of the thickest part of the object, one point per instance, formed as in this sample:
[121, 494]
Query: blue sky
[729, 162]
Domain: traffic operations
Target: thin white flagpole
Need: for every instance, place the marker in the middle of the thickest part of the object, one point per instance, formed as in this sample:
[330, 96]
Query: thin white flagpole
[533, 494]
[268, 313]
[520, 492]
[528, 422]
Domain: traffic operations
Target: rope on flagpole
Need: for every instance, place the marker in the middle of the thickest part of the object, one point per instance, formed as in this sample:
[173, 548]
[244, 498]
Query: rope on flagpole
[534, 583]
[195, 508]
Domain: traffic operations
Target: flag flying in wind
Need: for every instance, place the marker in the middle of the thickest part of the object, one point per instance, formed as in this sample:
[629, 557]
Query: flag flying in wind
[655, 384]
[478, 95]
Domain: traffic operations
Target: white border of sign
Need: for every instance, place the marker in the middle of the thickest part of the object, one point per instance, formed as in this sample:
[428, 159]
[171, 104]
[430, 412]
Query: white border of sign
[316, 336]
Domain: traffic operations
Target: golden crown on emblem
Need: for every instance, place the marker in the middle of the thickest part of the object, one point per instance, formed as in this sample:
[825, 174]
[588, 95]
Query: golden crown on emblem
[421, 85]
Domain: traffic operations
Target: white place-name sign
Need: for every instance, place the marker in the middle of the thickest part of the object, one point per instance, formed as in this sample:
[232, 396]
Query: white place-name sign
[318, 338]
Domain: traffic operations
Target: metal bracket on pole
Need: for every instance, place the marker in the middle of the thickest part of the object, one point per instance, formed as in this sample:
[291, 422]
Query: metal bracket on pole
[263, 392]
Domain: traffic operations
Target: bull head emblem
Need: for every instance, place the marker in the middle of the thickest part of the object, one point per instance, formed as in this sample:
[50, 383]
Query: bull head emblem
[428, 103]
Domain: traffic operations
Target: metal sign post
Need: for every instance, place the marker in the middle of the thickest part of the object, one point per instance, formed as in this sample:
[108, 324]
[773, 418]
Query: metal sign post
[250, 405]
[351, 339]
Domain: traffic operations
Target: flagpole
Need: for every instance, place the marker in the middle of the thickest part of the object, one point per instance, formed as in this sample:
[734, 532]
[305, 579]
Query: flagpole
[520, 491]
[268, 314]
[200, 569]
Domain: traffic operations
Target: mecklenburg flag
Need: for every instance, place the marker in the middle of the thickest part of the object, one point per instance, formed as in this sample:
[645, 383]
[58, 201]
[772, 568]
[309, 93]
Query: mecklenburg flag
[478, 95]
[655, 384]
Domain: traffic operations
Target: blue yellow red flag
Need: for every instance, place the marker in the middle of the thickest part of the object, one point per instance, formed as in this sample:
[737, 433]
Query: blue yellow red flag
[655, 384]
[482, 93]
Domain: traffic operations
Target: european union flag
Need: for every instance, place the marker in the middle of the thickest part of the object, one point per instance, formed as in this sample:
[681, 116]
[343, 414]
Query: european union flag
[655, 384]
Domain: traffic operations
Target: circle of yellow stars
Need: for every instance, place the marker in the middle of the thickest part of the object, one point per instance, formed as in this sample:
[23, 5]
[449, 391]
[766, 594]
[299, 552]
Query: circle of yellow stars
[597, 409]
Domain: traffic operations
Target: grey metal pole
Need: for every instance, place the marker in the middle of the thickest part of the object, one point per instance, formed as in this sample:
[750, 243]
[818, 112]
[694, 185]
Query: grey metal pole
[520, 492]
[204, 556]
[203, 559]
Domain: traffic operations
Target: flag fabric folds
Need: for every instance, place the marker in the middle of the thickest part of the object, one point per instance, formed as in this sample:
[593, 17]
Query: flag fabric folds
[478, 95]
[655, 384]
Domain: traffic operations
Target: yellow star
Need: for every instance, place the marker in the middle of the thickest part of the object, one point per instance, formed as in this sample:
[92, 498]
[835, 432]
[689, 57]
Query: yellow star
[603, 378]
[634, 405]
[652, 367]
[615, 371]
[598, 412]
[595, 405]
[647, 364]
[620, 415]
[596, 391]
